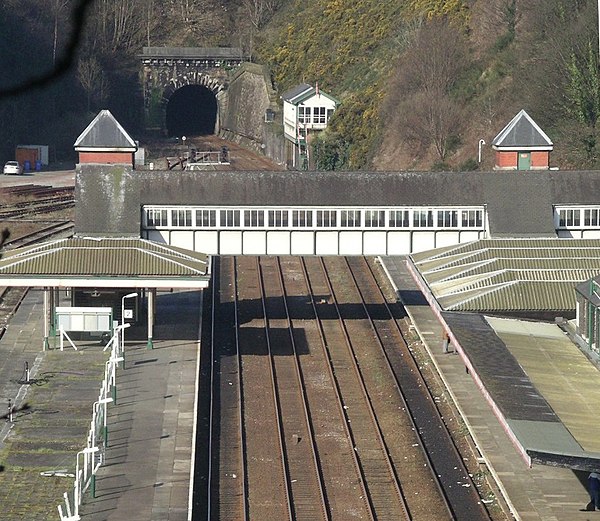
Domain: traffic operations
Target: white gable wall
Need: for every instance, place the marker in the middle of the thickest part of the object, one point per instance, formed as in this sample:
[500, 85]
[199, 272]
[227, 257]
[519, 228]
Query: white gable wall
[289, 120]
[312, 114]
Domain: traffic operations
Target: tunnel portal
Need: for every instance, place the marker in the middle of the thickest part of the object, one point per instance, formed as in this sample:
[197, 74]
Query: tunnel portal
[191, 111]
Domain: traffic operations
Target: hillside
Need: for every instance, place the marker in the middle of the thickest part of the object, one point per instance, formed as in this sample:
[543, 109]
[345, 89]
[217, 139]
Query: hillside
[421, 81]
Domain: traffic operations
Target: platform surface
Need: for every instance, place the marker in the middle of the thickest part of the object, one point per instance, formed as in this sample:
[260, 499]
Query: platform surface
[536, 364]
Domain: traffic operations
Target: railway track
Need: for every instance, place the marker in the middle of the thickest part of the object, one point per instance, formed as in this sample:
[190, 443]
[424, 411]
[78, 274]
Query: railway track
[11, 297]
[55, 230]
[36, 208]
[309, 416]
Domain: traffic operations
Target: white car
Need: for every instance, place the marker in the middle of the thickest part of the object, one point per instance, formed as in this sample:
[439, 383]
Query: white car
[13, 167]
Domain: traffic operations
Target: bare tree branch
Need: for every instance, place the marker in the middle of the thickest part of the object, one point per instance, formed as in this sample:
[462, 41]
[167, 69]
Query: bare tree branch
[63, 64]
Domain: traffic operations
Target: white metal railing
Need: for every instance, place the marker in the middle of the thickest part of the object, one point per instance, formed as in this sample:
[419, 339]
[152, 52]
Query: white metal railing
[91, 457]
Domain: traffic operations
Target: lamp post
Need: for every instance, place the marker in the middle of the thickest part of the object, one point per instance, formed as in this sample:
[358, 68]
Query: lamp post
[129, 295]
[482, 142]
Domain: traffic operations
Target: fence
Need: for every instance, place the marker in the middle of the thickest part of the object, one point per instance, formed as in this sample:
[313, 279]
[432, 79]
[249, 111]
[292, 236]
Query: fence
[93, 455]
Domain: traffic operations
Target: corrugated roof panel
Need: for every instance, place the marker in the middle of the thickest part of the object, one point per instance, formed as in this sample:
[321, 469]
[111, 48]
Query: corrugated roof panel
[104, 257]
[495, 275]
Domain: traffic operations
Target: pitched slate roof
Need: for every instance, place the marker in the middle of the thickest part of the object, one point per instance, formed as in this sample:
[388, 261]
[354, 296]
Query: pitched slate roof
[105, 133]
[302, 92]
[517, 205]
[117, 262]
[295, 94]
[522, 132]
[509, 275]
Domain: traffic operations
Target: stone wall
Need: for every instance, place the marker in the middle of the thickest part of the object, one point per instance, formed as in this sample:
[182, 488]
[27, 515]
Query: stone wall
[249, 95]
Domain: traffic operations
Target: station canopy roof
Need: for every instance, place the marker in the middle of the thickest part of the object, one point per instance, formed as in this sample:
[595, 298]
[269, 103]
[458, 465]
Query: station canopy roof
[509, 275]
[104, 262]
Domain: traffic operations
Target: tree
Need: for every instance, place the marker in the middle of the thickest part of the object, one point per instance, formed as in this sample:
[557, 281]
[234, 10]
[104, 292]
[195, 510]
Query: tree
[432, 119]
[426, 111]
[92, 79]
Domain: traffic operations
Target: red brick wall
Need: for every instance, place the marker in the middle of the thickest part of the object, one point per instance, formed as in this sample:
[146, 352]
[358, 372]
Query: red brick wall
[106, 157]
[506, 160]
[509, 160]
[540, 159]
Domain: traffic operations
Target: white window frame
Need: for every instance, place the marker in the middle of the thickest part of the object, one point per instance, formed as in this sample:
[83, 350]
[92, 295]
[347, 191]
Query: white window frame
[375, 218]
[399, 218]
[181, 217]
[278, 218]
[229, 218]
[254, 218]
[447, 218]
[157, 217]
[422, 218]
[326, 219]
[206, 218]
[302, 218]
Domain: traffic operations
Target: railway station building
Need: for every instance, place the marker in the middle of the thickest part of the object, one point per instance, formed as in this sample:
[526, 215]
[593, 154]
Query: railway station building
[494, 244]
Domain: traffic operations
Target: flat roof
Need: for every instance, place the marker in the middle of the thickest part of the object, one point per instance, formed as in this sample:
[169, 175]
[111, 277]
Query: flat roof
[543, 387]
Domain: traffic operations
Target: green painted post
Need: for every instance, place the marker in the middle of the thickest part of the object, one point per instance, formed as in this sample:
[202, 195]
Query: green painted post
[93, 486]
[150, 344]
[113, 392]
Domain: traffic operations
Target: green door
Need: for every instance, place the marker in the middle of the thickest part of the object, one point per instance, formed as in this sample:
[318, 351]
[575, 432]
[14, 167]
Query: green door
[524, 162]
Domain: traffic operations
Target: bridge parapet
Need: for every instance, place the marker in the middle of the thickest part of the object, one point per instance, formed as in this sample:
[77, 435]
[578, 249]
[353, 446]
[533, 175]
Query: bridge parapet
[197, 56]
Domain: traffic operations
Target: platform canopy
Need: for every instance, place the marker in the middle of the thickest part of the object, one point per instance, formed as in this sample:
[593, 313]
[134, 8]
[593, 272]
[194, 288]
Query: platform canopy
[104, 262]
[508, 275]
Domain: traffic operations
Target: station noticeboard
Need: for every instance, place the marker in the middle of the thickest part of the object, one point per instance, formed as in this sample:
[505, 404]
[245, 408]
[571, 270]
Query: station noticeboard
[84, 319]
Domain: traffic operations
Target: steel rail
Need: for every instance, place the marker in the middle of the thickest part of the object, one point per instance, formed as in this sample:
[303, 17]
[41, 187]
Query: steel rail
[275, 395]
[333, 439]
[235, 504]
[455, 508]
[375, 423]
[340, 402]
[377, 333]
[306, 414]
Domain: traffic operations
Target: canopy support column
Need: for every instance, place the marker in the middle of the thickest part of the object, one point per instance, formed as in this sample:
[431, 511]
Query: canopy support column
[45, 344]
[151, 305]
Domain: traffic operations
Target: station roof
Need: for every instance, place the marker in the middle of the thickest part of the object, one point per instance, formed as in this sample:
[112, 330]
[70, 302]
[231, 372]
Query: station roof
[104, 262]
[544, 387]
[509, 275]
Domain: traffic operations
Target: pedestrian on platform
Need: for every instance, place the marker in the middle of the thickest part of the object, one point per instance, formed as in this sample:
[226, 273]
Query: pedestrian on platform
[594, 490]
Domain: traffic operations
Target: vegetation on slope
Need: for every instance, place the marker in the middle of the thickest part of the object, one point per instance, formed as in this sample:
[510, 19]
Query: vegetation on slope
[421, 81]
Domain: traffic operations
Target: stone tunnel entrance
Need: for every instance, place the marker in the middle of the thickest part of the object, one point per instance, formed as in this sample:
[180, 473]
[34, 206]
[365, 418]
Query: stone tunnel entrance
[191, 111]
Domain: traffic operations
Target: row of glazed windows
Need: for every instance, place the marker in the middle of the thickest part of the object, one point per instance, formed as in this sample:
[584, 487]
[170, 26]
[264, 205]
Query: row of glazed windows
[178, 217]
[318, 115]
[570, 217]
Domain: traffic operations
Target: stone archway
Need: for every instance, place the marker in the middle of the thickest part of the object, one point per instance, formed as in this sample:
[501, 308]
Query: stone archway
[167, 71]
